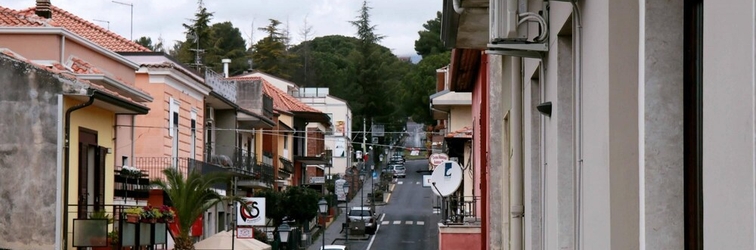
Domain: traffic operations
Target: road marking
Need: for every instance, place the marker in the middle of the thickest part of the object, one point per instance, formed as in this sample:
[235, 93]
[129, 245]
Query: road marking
[372, 238]
[382, 216]
[409, 222]
[417, 183]
[385, 222]
[400, 183]
[420, 223]
[396, 222]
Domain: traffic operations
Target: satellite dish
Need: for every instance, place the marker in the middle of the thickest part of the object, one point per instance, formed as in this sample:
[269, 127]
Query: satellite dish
[446, 178]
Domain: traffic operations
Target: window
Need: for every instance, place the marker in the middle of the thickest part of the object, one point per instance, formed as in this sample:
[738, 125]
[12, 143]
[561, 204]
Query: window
[194, 134]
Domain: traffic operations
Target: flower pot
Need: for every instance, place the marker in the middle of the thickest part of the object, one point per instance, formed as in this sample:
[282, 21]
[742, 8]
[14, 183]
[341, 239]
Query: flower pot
[149, 220]
[100, 242]
[132, 218]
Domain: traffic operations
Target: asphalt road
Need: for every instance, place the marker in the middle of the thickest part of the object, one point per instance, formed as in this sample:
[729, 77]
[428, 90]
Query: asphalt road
[408, 221]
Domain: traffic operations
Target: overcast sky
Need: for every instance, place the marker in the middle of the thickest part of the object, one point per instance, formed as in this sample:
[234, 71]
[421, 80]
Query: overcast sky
[398, 20]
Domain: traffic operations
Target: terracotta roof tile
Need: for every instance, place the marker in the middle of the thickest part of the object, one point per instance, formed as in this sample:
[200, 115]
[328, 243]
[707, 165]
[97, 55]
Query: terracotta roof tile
[465, 132]
[61, 18]
[10, 17]
[281, 100]
[62, 71]
[79, 66]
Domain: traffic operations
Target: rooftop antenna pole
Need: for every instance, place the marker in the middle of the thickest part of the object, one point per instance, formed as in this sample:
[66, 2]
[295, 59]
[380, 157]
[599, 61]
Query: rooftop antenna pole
[103, 21]
[132, 17]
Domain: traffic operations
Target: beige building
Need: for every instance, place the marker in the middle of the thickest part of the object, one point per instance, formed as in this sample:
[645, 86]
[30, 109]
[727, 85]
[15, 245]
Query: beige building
[623, 125]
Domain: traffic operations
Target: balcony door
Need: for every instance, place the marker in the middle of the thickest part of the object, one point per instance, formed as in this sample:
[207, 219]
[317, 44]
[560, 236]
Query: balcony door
[91, 183]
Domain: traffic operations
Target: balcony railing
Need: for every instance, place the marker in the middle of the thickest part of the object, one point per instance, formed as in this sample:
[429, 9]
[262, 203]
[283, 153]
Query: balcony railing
[458, 210]
[154, 166]
[244, 166]
[221, 86]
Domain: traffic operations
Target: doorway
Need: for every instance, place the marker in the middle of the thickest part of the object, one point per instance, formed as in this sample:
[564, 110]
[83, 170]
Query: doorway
[91, 184]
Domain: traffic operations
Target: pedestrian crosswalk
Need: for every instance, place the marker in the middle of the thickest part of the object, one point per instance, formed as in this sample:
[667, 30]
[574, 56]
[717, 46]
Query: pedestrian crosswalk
[399, 222]
[401, 182]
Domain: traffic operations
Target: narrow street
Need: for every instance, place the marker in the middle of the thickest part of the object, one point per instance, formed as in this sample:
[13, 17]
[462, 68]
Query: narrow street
[408, 221]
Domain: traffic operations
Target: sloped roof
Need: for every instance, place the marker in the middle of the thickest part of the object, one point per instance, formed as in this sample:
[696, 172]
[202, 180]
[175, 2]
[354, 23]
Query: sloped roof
[64, 72]
[465, 132]
[73, 23]
[11, 17]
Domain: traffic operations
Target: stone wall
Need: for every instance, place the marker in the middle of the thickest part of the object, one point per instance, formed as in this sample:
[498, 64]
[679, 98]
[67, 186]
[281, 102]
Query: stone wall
[29, 115]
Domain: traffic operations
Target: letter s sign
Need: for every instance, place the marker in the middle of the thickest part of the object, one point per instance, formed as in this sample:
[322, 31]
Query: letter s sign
[251, 212]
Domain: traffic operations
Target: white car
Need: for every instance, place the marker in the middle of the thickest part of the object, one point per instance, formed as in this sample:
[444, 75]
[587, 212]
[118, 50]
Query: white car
[334, 247]
[364, 214]
[399, 171]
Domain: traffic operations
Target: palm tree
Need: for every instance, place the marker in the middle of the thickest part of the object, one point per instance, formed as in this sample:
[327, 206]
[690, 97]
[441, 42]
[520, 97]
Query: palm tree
[191, 196]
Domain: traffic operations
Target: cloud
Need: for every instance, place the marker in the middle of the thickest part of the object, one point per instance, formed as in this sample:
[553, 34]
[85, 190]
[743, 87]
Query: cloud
[398, 20]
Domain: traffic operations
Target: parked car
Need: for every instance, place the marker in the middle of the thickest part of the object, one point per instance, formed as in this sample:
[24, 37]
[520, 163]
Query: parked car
[363, 214]
[397, 158]
[398, 170]
[334, 247]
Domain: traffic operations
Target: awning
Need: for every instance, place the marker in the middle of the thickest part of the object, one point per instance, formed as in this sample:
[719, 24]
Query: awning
[222, 241]
[310, 160]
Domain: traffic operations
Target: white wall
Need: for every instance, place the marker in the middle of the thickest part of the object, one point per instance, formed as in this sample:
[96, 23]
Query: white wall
[340, 112]
[728, 125]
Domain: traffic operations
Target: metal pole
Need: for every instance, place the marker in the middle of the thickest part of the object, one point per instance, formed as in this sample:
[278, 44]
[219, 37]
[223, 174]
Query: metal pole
[233, 217]
[132, 17]
[324, 228]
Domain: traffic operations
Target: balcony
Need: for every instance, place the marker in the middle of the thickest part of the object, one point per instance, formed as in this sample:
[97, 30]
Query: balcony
[243, 166]
[459, 210]
[154, 166]
[131, 186]
[460, 226]
[223, 87]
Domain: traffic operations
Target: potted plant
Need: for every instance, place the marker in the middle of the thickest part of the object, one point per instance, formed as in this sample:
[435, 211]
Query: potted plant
[167, 214]
[133, 214]
[149, 214]
[95, 229]
[113, 238]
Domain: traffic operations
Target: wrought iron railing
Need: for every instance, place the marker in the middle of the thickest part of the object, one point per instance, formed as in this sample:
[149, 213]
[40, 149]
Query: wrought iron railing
[89, 227]
[459, 210]
[286, 165]
[154, 166]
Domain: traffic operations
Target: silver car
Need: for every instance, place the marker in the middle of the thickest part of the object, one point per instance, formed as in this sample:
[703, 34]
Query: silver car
[399, 171]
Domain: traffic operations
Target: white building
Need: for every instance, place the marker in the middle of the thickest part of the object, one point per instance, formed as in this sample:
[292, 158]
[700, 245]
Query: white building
[339, 141]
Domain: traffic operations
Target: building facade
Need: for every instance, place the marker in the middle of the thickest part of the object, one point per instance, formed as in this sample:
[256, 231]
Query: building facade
[338, 136]
[613, 127]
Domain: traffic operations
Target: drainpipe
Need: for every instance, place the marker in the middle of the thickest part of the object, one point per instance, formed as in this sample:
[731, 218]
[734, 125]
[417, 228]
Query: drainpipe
[578, 106]
[133, 138]
[67, 149]
[515, 171]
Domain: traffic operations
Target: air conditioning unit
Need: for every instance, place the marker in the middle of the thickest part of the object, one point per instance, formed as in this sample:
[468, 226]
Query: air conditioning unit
[508, 30]
[210, 114]
[503, 20]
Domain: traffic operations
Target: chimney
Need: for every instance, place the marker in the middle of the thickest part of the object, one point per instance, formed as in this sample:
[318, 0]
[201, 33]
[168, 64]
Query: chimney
[43, 9]
[225, 67]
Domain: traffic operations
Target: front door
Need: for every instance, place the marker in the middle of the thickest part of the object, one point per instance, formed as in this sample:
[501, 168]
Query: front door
[91, 185]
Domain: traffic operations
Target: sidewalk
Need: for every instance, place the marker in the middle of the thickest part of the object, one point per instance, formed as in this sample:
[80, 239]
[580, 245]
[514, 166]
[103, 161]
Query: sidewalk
[333, 230]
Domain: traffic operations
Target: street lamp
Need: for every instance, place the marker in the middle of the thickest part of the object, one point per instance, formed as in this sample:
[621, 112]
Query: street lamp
[346, 210]
[283, 232]
[362, 188]
[323, 207]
